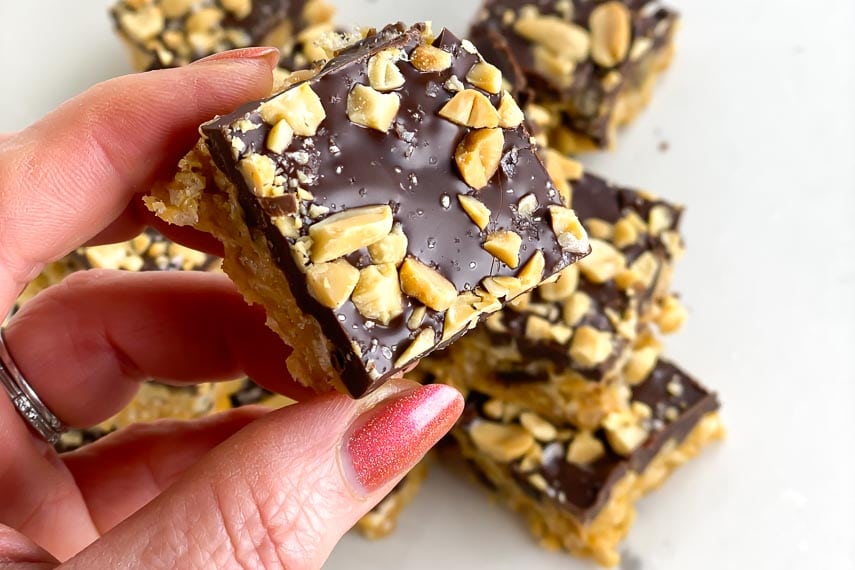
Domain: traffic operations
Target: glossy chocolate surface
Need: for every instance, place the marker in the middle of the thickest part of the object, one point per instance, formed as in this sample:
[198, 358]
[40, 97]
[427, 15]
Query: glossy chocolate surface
[412, 169]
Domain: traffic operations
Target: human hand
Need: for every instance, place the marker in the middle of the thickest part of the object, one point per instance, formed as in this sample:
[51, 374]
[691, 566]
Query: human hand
[243, 489]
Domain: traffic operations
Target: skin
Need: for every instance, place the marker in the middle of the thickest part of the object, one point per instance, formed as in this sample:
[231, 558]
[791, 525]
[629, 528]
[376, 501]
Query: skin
[244, 489]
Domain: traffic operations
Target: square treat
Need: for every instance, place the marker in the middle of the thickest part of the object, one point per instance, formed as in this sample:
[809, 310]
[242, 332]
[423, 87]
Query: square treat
[172, 33]
[591, 64]
[382, 520]
[380, 208]
[559, 349]
[577, 488]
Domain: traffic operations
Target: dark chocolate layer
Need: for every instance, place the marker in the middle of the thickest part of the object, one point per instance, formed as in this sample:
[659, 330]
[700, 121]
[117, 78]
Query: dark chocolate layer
[593, 198]
[677, 402]
[411, 168]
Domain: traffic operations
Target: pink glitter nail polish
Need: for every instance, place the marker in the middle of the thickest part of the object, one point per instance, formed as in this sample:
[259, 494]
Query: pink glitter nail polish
[388, 440]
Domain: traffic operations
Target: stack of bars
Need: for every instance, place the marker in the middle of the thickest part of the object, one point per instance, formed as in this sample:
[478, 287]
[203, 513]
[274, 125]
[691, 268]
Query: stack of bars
[572, 413]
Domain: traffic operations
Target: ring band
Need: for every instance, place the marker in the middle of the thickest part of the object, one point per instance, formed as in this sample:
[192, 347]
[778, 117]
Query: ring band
[25, 399]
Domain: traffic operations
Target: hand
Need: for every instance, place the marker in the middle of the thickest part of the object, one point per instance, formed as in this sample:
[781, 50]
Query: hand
[244, 489]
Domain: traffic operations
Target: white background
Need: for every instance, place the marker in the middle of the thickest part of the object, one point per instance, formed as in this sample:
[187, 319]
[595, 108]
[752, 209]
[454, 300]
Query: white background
[758, 113]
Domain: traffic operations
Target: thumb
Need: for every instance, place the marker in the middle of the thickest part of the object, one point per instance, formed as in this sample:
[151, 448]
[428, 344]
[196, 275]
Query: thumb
[281, 492]
[67, 177]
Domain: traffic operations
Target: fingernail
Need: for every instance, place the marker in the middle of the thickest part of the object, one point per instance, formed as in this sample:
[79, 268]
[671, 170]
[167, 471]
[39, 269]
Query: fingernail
[269, 54]
[389, 440]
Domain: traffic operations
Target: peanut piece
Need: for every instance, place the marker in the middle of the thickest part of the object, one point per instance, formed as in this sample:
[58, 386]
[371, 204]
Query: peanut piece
[590, 346]
[510, 114]
[424, 341]
[475, 209]
[564, 286]
[624, 432]
[204, 20]
[427, 285]
[485, 76]
[558, 36]
[571, 234]
[611, 31]
[288, 226]
[478, 156]
[300, 106]
[280, 136]
[416, 318]
[505, 246]
[383, 73]
[348, 231]
[625, 233]
[259, 172]
[599, 229]
[332, 283]
[390, 249]
[377, 295]
[175, 8]
[541, 429]
[240, 8]
[604, 262]
[470, 108]
[640, 365]
[659, 219]
[460, 315]
[142, 24]
[532, 272]
[585, 449]
[368, 107]
[502, 443]
[672, 315]
[429, 58]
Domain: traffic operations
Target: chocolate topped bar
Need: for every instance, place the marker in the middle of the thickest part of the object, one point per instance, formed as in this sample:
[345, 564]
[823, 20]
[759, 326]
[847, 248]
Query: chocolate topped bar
[589, 62]
[396, 191]
[172, 33]
[577, 470]
[587, 320]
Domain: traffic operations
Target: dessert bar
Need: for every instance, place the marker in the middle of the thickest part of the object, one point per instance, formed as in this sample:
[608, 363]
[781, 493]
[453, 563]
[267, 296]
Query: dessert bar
[379, 209]
[591, 64]
[577, 488]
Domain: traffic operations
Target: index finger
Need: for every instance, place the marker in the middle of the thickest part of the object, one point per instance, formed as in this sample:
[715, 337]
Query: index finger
[68, 176]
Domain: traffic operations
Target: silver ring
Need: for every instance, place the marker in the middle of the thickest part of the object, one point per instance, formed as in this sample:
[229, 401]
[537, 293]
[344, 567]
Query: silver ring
[25, 399]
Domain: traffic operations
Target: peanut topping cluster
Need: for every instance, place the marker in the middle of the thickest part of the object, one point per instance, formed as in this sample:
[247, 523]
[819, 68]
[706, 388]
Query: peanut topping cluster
[172, 33]
[147, 252]
[580, 59]
[590, 315]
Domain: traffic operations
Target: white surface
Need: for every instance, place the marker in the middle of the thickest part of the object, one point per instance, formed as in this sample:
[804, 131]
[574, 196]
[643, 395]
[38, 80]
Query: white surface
[759, 113]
